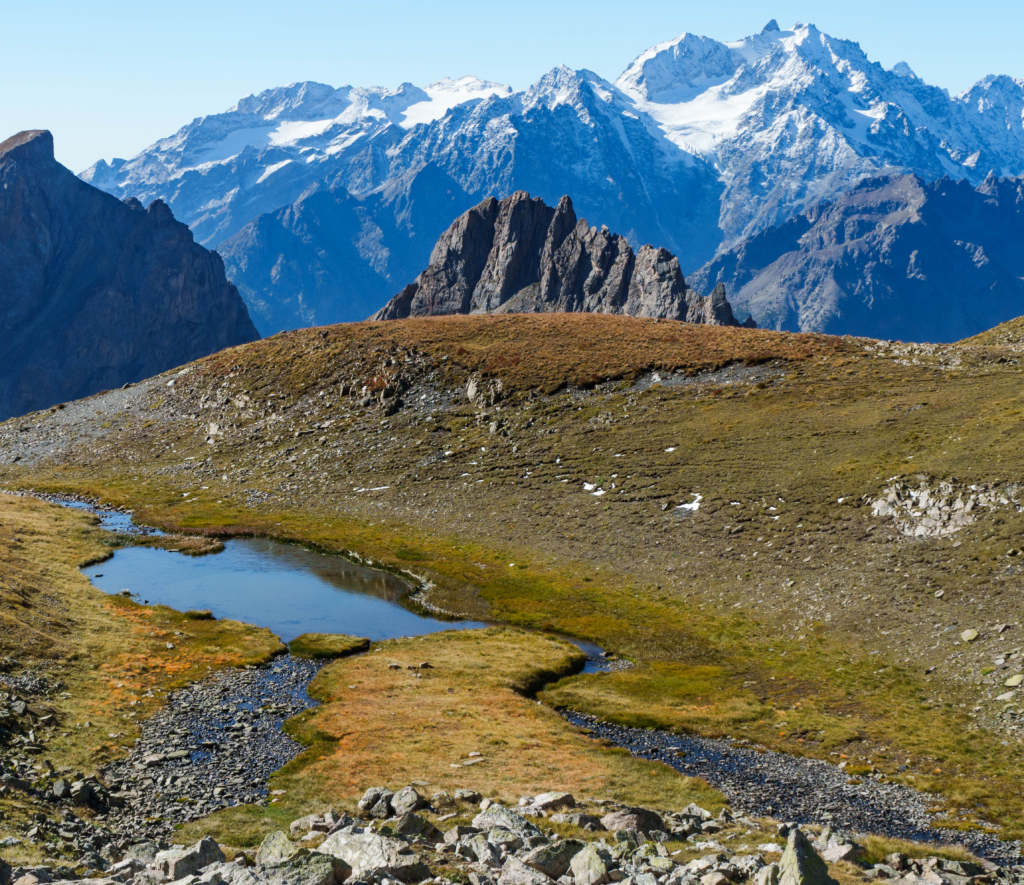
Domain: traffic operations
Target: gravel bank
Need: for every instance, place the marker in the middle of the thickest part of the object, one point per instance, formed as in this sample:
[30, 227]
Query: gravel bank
[214, 745]
[763, 783]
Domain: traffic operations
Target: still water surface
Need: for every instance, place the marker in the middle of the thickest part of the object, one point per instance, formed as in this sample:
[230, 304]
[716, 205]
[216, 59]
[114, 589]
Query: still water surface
[280, 586]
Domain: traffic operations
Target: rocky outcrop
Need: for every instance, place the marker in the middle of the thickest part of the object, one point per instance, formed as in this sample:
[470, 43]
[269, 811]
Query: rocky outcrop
[519, 255]
[96, 293]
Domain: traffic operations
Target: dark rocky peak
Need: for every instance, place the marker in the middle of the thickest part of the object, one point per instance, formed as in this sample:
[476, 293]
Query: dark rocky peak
[96, 292]
[519, 255]
[31, 146]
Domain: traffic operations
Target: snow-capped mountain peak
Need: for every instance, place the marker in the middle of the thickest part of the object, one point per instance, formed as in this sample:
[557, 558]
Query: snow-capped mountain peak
[760, 128]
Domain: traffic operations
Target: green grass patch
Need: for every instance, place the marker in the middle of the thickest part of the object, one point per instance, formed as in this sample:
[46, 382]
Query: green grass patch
[326, 646]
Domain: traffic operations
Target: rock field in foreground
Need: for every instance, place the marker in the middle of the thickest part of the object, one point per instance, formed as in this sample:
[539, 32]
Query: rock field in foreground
[397, 838]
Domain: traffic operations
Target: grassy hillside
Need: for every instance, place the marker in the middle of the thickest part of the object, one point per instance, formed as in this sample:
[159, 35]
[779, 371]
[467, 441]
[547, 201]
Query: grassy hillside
[784, 608]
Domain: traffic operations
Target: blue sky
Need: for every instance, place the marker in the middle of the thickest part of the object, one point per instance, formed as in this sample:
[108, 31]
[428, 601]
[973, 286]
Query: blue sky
[110, 77]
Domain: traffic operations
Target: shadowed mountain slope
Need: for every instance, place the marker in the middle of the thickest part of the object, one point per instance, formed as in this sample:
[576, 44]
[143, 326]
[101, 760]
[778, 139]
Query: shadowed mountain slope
[94, 292]
[897, 258]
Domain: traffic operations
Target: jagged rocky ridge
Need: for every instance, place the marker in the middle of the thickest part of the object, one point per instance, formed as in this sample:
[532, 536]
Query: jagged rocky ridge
[519, 255]
[96, 293]
[898, 257]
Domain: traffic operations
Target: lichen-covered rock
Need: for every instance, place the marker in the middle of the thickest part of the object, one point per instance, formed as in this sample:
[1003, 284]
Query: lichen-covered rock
[306, 868]
[515, 872]
[370, 855]
[410, 826]
[276, 848]
[406, 800]
[592, 865]
[497, 816]
[800, 863]
[477, 848]
[553, 860]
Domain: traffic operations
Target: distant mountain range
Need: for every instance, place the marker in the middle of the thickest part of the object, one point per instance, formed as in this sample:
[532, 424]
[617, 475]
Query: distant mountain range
[698, 147]
[95, 292]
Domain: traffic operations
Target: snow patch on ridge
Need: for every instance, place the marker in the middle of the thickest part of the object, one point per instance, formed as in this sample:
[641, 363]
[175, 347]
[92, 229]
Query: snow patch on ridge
[447, 94]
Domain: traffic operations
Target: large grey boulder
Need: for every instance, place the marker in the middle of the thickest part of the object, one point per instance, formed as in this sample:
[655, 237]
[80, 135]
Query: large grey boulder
[306, 868]
[477, 848]
[515, 872]
[641, 820]
[592, 865]
[369, 855]
[498, 816]
[553, 860]
[553, 801]
[371, 797]
[176, 863]
[406, 800]
[412, 826]
[800, 863]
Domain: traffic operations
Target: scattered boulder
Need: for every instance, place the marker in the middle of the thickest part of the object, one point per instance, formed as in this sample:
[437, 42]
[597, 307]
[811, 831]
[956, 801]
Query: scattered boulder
[306, 868]
[176, 863]
[800, 863]
[554, 860]
[592, 865]
[383, 810]
[371, 797]
[642, 820]
[411, 826]
[553, 801]
[515, 872]
[470, 796]
[501, 817]
[406, 800]
[479, 849]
